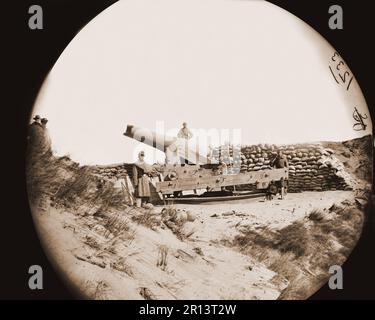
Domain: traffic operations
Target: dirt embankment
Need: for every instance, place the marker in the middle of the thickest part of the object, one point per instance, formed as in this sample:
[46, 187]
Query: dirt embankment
[222, 254]
[303, 251]
[141, 263]
[357, 157]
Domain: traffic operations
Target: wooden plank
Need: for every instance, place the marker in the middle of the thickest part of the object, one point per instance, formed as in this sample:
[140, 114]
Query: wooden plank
[196, 182]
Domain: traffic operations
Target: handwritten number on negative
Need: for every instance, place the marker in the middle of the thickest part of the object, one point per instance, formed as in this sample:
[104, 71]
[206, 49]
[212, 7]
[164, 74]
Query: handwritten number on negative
[339, 71]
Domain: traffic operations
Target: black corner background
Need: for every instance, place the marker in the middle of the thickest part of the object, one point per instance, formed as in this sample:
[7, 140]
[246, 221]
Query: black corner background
[33, 55]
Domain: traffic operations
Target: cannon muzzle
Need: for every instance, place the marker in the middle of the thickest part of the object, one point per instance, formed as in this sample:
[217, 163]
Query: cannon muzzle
[149, 137]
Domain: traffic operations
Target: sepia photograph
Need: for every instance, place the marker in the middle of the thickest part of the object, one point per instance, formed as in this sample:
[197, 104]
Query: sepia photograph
[199, 149]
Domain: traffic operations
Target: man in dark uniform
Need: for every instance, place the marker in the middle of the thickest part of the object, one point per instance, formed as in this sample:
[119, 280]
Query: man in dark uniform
[281, 162]
[35, 140]
[141, 179]
[47, 140]
[35, 128]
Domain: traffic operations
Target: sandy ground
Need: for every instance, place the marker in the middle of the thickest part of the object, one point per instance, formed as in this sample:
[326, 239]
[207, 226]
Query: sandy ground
[196, 268]
[222, 220]
[220, 273]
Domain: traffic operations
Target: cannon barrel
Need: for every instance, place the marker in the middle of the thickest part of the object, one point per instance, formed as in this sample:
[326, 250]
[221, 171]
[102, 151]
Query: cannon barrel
[171, 146]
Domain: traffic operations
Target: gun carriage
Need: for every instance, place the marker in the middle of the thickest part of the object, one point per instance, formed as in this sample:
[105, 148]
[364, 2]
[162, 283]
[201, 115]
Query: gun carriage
[195, 179]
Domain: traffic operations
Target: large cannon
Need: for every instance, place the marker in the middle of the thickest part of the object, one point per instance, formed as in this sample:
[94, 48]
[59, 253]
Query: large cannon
[198, 180]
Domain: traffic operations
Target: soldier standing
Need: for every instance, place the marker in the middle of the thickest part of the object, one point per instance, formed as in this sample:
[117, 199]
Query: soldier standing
[35, 140]
[35, 129]
[184, 132]
[47, 139]
[281, 162]
[141, 179]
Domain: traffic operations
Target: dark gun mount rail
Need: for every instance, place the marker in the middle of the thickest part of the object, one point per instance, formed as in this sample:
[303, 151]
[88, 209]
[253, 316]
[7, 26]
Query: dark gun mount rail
[215, 197]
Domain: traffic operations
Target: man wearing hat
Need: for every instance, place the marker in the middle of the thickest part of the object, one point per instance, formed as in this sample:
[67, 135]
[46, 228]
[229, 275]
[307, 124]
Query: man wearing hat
[141, 178]
[281, 162]
[36, 122]
[39, 141]
[44, 122]
[36, 119]
[184, 132]
[35, 139]
[46, 138]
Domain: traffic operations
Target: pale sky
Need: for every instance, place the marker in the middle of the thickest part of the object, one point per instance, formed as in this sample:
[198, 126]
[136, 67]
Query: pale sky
[216, 64]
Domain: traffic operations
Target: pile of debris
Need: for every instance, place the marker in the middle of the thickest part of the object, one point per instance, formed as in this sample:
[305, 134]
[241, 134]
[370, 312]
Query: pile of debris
[180, 222]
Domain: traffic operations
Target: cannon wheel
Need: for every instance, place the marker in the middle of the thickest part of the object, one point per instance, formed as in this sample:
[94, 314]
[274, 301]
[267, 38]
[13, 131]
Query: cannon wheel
[273, 189]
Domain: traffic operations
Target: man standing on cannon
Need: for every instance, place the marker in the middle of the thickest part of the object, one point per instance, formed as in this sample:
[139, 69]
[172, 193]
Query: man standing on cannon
[186, 135]
[184, 132]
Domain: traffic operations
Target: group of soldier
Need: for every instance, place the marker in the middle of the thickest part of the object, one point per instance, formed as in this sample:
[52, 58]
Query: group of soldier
[39, 143]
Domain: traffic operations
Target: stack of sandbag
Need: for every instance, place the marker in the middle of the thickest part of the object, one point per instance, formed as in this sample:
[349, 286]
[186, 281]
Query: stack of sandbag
[111, 172]
[259, 157]
[230, 155]
[312, 167]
